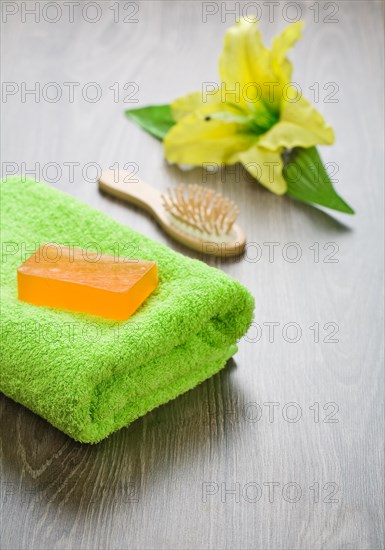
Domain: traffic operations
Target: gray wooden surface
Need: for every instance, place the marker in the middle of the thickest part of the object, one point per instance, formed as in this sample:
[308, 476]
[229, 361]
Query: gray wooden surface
[212, 469]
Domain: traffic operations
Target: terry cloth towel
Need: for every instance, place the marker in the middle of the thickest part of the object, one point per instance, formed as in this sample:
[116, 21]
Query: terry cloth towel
[90, 376]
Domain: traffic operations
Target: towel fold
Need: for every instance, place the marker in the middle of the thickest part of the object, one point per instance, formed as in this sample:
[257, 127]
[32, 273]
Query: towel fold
[90, 376]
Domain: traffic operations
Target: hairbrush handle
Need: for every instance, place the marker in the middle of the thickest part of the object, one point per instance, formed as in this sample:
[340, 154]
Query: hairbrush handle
[120, 184]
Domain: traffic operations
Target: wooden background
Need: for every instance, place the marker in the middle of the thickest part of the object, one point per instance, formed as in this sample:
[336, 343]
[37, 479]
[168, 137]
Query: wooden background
[166, 480]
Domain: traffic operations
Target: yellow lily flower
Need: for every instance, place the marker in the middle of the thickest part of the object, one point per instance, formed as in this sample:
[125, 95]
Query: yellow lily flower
[230, 124]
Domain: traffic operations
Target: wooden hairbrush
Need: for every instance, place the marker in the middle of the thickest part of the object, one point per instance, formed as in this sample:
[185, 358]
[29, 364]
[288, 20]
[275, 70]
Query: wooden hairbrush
[193, 215]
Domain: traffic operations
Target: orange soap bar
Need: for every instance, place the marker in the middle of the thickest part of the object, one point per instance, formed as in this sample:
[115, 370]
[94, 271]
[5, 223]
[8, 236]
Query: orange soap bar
[89, 282]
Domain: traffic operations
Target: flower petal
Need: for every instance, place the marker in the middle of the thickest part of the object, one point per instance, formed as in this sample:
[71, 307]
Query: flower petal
[196, 140]
[185, 105]
[300, 125]
[280, 46]
[266, 166]
[244, 60]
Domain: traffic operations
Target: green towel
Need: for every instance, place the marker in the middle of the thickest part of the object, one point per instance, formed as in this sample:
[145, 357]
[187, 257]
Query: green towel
[90, 376]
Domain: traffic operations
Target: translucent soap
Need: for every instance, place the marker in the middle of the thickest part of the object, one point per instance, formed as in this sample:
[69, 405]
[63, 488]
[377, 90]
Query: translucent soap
[71, 278]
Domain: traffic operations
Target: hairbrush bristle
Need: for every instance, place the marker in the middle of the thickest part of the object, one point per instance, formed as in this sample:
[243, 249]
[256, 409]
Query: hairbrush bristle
[201, 208]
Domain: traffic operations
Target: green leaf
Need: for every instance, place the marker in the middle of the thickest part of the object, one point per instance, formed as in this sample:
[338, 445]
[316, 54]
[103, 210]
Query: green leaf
[308, 181]
[155, 119]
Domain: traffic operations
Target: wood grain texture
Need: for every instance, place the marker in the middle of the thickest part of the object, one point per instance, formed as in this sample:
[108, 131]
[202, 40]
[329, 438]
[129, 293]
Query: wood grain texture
[164, 481]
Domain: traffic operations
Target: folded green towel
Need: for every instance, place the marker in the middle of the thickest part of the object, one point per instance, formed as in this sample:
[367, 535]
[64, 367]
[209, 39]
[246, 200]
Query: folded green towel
[90, 376]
